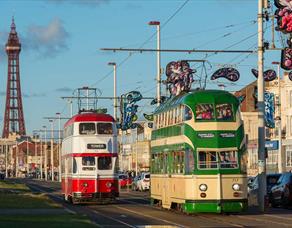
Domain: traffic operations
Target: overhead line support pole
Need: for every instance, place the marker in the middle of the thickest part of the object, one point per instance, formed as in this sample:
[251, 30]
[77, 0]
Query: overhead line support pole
[261, 109]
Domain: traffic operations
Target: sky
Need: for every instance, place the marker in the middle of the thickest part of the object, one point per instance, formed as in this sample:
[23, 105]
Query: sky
[61, 42]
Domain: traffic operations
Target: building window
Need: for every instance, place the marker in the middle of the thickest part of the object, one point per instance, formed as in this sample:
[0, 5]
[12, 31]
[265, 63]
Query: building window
[289, 156]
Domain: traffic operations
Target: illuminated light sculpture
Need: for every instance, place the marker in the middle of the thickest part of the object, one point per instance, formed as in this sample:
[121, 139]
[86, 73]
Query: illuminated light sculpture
[284, 15]
[229, 73]
[269, 108]
[269, 75]
[129, 109]
[179, 77]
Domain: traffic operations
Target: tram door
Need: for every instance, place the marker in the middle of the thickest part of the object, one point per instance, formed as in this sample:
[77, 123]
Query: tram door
[166, 185]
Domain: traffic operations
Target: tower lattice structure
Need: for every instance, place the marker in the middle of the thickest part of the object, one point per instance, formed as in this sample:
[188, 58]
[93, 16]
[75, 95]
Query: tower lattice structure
[13, 117]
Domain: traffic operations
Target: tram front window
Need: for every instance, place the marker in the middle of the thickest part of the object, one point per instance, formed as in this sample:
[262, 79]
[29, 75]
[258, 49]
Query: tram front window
[86, 128]
[211, 159]
[88, 161]
[228, 159]
[104, 163]
[104, 128]
[207, 160]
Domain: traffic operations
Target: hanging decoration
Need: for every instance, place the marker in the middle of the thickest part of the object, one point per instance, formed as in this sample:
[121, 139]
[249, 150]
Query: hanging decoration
[269, 75]
[286, 58]
[229, 73]
[129, 109]
[179, 77]
[269, 108]
[162, 100]
[284, 15]
[290, 75]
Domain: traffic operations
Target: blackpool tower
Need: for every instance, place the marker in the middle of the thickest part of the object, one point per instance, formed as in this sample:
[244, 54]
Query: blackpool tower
[13, 116]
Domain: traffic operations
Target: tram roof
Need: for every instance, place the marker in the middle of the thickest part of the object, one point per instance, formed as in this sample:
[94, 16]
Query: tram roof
[90, 116]
[198, 96]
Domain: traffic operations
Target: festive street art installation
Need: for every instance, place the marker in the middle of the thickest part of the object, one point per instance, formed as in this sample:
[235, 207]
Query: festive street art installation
[129, 109]
[286, 58]
[269, 75]
[269, 108]
[229, 73]
[284, 15]
[179, 77]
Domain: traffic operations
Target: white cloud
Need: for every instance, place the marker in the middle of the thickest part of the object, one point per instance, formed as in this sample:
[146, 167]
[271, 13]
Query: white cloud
[89, 3]
[47, 40]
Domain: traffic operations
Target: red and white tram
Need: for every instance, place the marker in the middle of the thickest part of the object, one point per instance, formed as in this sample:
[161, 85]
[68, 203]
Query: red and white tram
[90, 158]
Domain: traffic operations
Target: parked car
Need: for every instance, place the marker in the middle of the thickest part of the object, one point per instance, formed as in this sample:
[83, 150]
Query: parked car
[124, 180]
[253, 187]
[135, 183]
[144, 182]
[281, 193]
[2, 175]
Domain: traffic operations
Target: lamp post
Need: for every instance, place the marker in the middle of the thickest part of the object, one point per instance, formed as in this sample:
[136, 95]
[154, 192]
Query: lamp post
[278, 118]
[27, 152]
[261, 108]
[59, 144]
[41, 160]
[45, 151]
[115, 88]
[52, 149]
[158, 77]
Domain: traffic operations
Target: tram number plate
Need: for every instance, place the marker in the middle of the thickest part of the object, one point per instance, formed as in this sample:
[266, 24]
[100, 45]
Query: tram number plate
[235, 180]
[96, 146]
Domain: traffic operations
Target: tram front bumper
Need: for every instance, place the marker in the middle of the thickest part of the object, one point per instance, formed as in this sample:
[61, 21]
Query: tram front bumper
[215, 206]
[94, 196]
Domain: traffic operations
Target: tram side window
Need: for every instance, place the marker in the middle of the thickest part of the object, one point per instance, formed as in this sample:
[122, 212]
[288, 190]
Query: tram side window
[188, 113]
[207, 160]
[104, 163]
[86, 128]
[190, 163]
[204, 112]
[224, 112]
[74, 165]
[104, 128]
[228, 159]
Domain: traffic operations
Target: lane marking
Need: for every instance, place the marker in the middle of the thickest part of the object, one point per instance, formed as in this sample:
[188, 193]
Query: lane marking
[149, 216]
[275, 216]
[114, 219]
[265, 221]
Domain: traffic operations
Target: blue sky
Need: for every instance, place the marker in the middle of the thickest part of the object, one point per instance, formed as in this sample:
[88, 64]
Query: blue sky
[61, 43]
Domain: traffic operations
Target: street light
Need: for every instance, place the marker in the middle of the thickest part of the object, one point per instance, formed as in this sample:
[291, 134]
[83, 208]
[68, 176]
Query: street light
[52, 149]
[115, 88]
[59, 144]
[280, 160]
[158, 77]
[46, 158]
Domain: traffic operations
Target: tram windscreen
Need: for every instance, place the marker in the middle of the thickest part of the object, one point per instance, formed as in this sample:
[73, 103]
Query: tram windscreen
[86, 128]
[204, 112]
[224, 112]
[215, 160]
[104, 128]
[88, 161]
[104, 163]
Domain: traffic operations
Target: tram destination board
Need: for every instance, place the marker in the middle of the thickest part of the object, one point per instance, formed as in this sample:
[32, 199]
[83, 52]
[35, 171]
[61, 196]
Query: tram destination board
[96, 146]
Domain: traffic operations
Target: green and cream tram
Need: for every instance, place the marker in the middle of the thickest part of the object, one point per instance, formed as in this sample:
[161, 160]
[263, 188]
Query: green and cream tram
[198, 153]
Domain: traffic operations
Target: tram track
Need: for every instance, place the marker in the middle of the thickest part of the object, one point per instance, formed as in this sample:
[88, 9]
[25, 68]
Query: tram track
[133, 210]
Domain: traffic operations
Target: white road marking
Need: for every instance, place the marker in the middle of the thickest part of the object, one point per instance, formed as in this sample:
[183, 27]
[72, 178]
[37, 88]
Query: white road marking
[116, 220]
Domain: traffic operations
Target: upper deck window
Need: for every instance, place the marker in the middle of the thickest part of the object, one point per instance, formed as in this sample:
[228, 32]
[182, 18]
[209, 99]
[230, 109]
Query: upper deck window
[188, 113]
[224, 112]
[86, 128]
[104, 128]
[204, 112]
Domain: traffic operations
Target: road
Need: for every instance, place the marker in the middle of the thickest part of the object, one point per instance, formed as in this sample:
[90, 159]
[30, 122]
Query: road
[132, 209]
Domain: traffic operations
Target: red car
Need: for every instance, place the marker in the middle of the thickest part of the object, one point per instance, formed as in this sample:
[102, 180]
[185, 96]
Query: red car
[124, 180]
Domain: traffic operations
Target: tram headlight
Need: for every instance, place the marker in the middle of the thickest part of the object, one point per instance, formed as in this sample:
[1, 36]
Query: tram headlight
[203, 187]
[85, 184]
[236, 187]
[108, 184]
